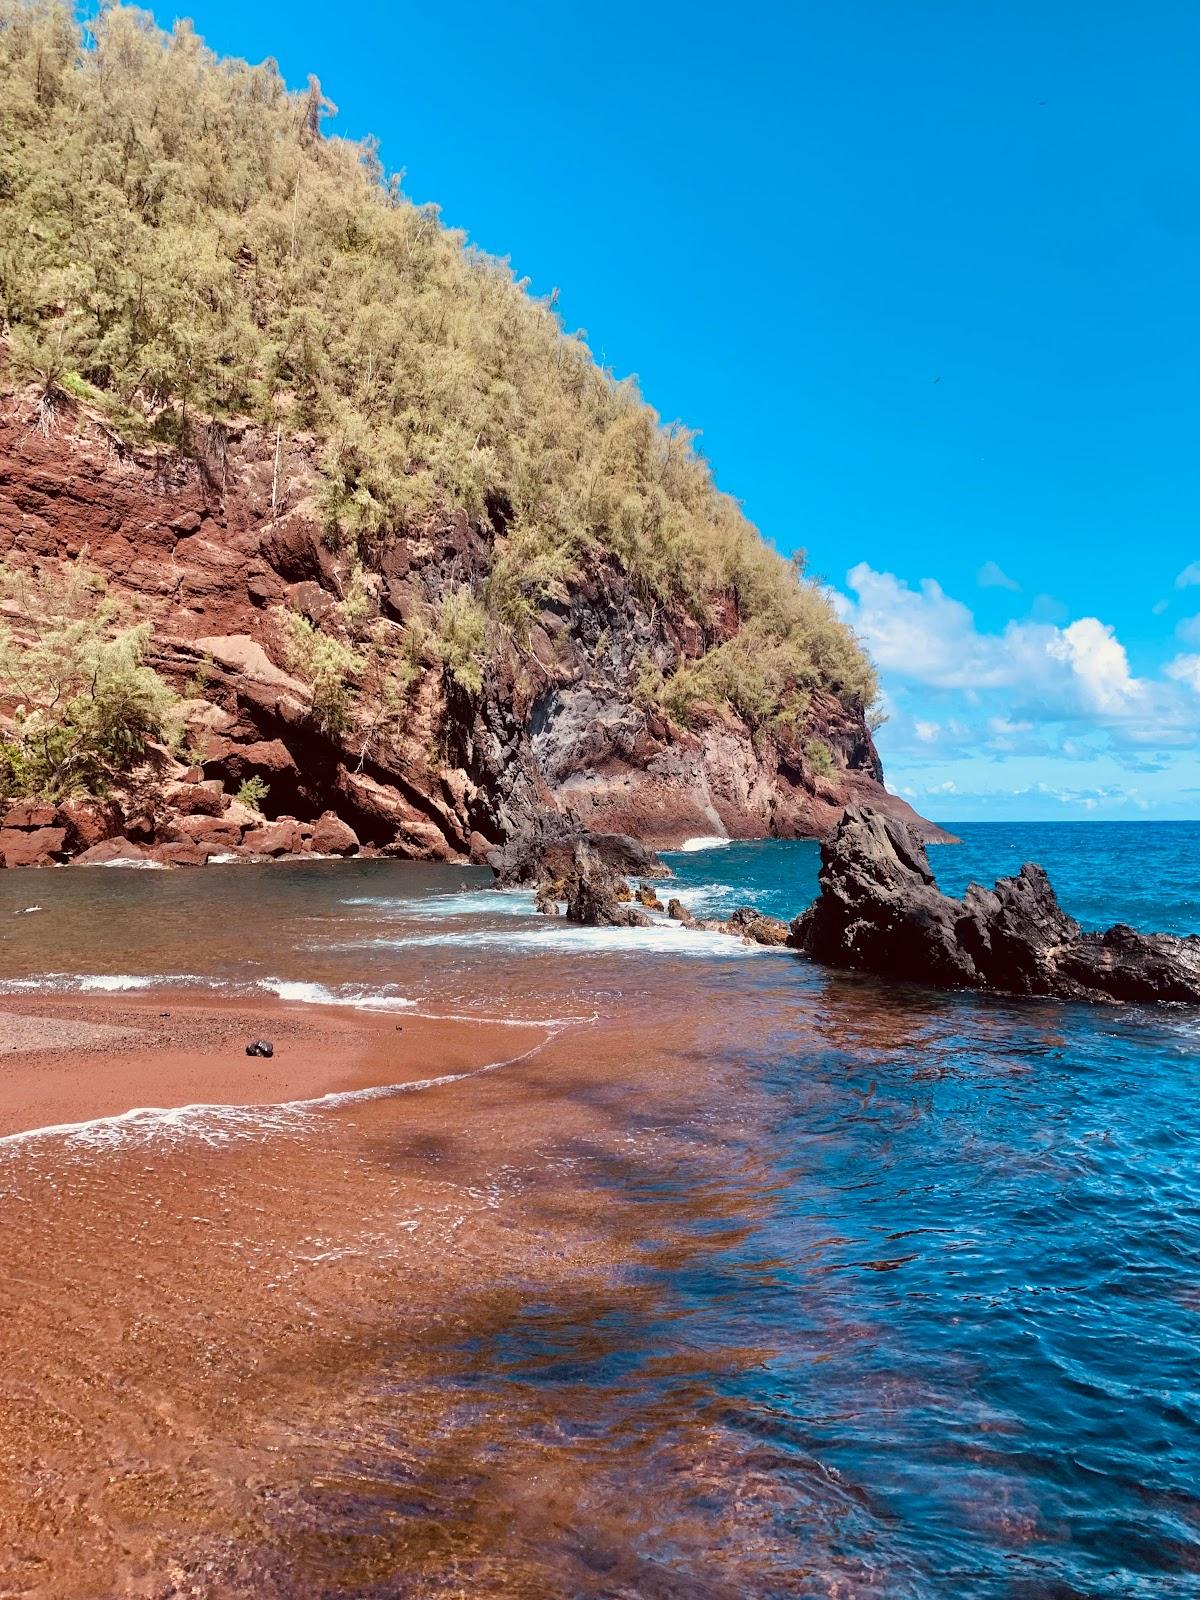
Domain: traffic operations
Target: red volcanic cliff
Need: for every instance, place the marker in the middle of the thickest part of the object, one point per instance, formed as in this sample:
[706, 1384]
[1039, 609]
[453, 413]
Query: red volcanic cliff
[206, 551]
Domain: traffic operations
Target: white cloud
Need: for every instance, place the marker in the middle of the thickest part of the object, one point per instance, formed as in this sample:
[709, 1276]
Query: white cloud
[1189, 630]
[1013, 736]
[1185, 669]
[920, 634]
[1028, 690]
[992, 576]
[927, 637]
[1189, 577]
[1099, 666]
[1159, 607]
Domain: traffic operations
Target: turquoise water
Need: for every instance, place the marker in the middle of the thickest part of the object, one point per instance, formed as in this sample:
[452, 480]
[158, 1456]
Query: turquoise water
[919, 1318]
[1103, 872]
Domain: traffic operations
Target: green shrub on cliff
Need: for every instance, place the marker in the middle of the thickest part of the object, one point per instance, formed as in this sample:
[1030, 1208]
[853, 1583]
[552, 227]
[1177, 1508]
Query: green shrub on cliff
[253, 792]
[328, 666]
[78, 701]
[462, 639]
[180, 240]
[820, 757]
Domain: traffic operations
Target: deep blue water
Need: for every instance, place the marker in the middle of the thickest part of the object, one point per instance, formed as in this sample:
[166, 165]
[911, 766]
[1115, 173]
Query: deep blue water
[987, 1246]
[1146, 874]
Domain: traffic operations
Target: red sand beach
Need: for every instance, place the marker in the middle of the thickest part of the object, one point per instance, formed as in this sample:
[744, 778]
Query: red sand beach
[67, 1061]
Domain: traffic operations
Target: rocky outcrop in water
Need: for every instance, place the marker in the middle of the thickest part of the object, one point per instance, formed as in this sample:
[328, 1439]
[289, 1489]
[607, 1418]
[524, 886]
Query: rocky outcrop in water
[596, 896]
[757, 928]
[212, 551]
[881, 911]
[549, 850]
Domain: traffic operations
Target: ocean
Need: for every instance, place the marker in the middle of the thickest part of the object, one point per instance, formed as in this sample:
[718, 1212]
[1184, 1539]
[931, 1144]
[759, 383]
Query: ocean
[758, 1280]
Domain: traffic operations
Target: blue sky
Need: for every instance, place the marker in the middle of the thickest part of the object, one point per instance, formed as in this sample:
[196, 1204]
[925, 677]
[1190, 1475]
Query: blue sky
[923, 275]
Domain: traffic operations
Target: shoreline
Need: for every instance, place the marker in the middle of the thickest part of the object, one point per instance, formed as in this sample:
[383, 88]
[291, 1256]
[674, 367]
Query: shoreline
[67, 1061]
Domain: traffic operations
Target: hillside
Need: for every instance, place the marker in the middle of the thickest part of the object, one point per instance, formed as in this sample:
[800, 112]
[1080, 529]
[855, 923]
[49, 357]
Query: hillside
[389, 540]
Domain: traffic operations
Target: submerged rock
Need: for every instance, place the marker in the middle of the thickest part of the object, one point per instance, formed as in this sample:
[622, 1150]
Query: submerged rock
[547, 899]
[881, 911]
[756, 927]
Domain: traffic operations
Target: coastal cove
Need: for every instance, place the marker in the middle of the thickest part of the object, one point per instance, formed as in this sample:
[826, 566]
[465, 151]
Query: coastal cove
[510, 1086]
[732, 1276]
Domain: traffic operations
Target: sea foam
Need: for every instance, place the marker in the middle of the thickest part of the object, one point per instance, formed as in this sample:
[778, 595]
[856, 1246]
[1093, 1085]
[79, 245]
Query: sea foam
[317, 994]
[470, 903]
[659, 938]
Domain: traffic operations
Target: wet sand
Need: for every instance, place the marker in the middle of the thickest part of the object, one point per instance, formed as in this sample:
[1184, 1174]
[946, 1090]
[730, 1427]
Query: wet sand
[266, 1358]
[64, 1062]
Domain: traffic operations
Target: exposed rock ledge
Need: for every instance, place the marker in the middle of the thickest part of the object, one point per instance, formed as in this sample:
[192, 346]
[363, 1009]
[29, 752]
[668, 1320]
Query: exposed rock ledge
[881, 911]
[193, 823]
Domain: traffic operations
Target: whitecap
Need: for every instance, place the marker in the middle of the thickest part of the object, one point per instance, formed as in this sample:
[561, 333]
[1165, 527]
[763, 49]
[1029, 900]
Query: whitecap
[659, 938]
[698, 893]
[131, 861]
[470, 903]
[104, 982]
[706, 841]
[113, 982]
[316, 994]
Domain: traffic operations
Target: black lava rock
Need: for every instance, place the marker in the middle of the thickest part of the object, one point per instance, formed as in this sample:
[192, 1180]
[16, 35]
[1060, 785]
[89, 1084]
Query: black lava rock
[881, 911]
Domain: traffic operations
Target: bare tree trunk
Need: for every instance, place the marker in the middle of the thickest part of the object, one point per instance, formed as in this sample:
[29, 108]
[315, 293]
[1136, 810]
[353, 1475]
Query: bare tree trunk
[275, 470]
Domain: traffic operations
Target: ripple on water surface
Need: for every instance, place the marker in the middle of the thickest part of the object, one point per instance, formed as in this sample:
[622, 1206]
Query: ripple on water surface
[766, 1283]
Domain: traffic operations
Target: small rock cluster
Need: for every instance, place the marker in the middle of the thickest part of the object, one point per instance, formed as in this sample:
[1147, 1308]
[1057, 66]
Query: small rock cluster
[593, 893]
[596, 895]
[744, 923]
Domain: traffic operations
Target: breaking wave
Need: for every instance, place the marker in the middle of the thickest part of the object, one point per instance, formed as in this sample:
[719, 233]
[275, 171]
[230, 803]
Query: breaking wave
[346, 994]
[659, 938]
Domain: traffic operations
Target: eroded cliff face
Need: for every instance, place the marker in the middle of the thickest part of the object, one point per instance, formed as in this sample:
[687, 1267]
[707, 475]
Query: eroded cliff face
[206, 551]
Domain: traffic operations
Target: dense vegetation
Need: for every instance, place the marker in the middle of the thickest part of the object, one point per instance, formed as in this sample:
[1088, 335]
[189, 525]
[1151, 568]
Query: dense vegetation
[83, 701]
[181, 243]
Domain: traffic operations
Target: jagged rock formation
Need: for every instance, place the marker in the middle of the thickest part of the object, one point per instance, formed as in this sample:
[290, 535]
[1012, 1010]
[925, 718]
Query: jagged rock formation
[596, 896]
[549, 851]
[881, 911]
[212, 552]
